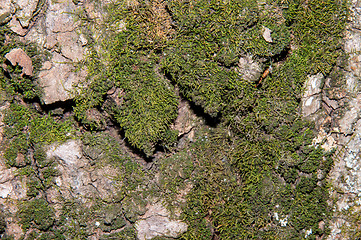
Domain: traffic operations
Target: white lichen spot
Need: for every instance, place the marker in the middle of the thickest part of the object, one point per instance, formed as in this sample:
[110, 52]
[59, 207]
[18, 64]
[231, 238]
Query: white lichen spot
[314, 82]
[267, 34]
[308, 233]
[352, 160]
[309, 102]
[284, 221]
[275, 215]
[327, 141]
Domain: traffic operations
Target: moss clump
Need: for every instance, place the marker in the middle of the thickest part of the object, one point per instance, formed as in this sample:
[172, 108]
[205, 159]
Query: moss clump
[126, 234]
[25, 134]
[270, 140]
[41, 176]
[237, 188]
[25, 128]
[74, 220]
[150, 105]
[259, 160]
[221, 201]
[150, 101]
[105, 149]
[133, 207]
[131, 176]
[11, 77]
[37, 214]
[318, 27]
[79, 222]
[202, 56]
[175, 172]
[112, 218]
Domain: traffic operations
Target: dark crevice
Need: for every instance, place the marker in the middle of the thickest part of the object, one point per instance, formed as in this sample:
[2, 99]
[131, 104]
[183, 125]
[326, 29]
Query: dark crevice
[6, 74]
[66, 106]
[136, 151]
[118, 132]
[32, 101]
[168, 76]
[282, 56]
[159, 149]
[229, 66]
[199, 112]
[197, 109]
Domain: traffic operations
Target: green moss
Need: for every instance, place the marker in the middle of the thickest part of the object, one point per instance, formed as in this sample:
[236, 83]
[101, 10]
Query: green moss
[53, 236]
[40, 172]
[306, 216]
[150, 105]
[12, 80]
[37, 214]
[202, 56]
[34, 187]
[105, 149]
[40, 157]
[272, 137]
[2, 223]
[318, 28]
[25, 134]
[75, 219]
[112, 218]
[126, 234]
[25, 128]
[254, 162]
[252, 40]
[314, 160]
[133, 207]
[176, 170]
[150, 102]
[78, 221]
[237, 188]
[219, 202]
[202, 81]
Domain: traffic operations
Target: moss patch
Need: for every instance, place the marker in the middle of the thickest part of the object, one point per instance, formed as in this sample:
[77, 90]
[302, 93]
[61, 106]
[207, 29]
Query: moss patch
[25, 129]
[150, 102]
[11, 77]
[257, 166]
[37, 213]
